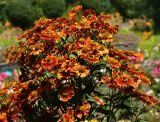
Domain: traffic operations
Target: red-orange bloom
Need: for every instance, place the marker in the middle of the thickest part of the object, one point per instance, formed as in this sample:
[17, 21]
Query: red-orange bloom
[90, 58]
[49, 62]
[124, 80]
[66, 94]
[108, 81]
[68, 117]
[85, 108]
[145, 79]
[99, 101]
[68, 64]
[81, 70]
[148, 99]
[33, 96]
[144, 97]
[103, 50]
[11, 54]
[3, 117]
[54, 82]
[139, 56]
[113, 62]
[73, 11]
[136, 84]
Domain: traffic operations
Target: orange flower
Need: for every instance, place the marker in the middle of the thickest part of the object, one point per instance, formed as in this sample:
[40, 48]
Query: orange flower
[75, 9]
[54, 82]
[33, 96]
[48, 34]
[68, 117]
[66, 94]
[11, 54]
[136, 84]
[79, 115]
[124, 80]
[72, 13]
[85, 108]
[68, 64]
[145, 79]
[105, 36]
[103, 50]
[148, 23]
[113, 62]
[93, 59]
[146, 35]
[72, 29]
[3, 117]
[144, 97]
[139, 56]
[91, 44]
[36, 49]
[90, 58]
[83, 51]
[99, 101]
[108, 81]
[105, 79]
[66, 69]
[49, 62]
[89, 50]
[81, 40]
[81, 71]
[148, 99]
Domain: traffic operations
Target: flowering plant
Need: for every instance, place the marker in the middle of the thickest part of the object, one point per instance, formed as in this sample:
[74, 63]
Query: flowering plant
[156, 70]
[152, 66]
[70, 71]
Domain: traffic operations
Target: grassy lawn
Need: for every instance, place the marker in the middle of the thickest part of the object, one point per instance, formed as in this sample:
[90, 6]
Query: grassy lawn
[8, 37]
[151, 46]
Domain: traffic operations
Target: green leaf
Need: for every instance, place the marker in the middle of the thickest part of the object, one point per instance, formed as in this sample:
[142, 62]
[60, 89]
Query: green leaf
[72, 56]
[70, 39]
[103, 111]
[141, 121]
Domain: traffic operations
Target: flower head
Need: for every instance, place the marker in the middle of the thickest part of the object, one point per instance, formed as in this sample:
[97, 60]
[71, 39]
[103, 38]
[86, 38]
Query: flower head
[49, 62]
[81, 70]
[66, 93]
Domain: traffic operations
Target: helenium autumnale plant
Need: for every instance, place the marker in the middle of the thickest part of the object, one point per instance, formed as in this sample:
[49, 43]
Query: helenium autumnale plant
[71, 72]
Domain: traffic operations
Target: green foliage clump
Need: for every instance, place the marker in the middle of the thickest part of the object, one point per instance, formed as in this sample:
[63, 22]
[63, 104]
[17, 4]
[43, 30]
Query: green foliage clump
[98, 5]
[2, 11]
[130, 8]
[37, 8]
[53, 8]
[71, 1]
[20, 13]
[153, 8]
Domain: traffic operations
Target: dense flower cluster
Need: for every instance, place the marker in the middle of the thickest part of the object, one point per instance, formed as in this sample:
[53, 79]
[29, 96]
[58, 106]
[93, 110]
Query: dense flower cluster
[61, 62]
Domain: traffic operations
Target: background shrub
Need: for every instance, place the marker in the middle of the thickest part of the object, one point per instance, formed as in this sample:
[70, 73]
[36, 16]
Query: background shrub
[37, 8]
[38, 12]
[20, 13]
[107, 6]
[53, 8]
[130, 8]
[2, 11]
[70, 2]
[153, 8]
[97, 5]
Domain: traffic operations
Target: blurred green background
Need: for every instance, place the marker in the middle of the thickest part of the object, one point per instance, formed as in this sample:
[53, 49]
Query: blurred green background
[138, 21]
[23, 13]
